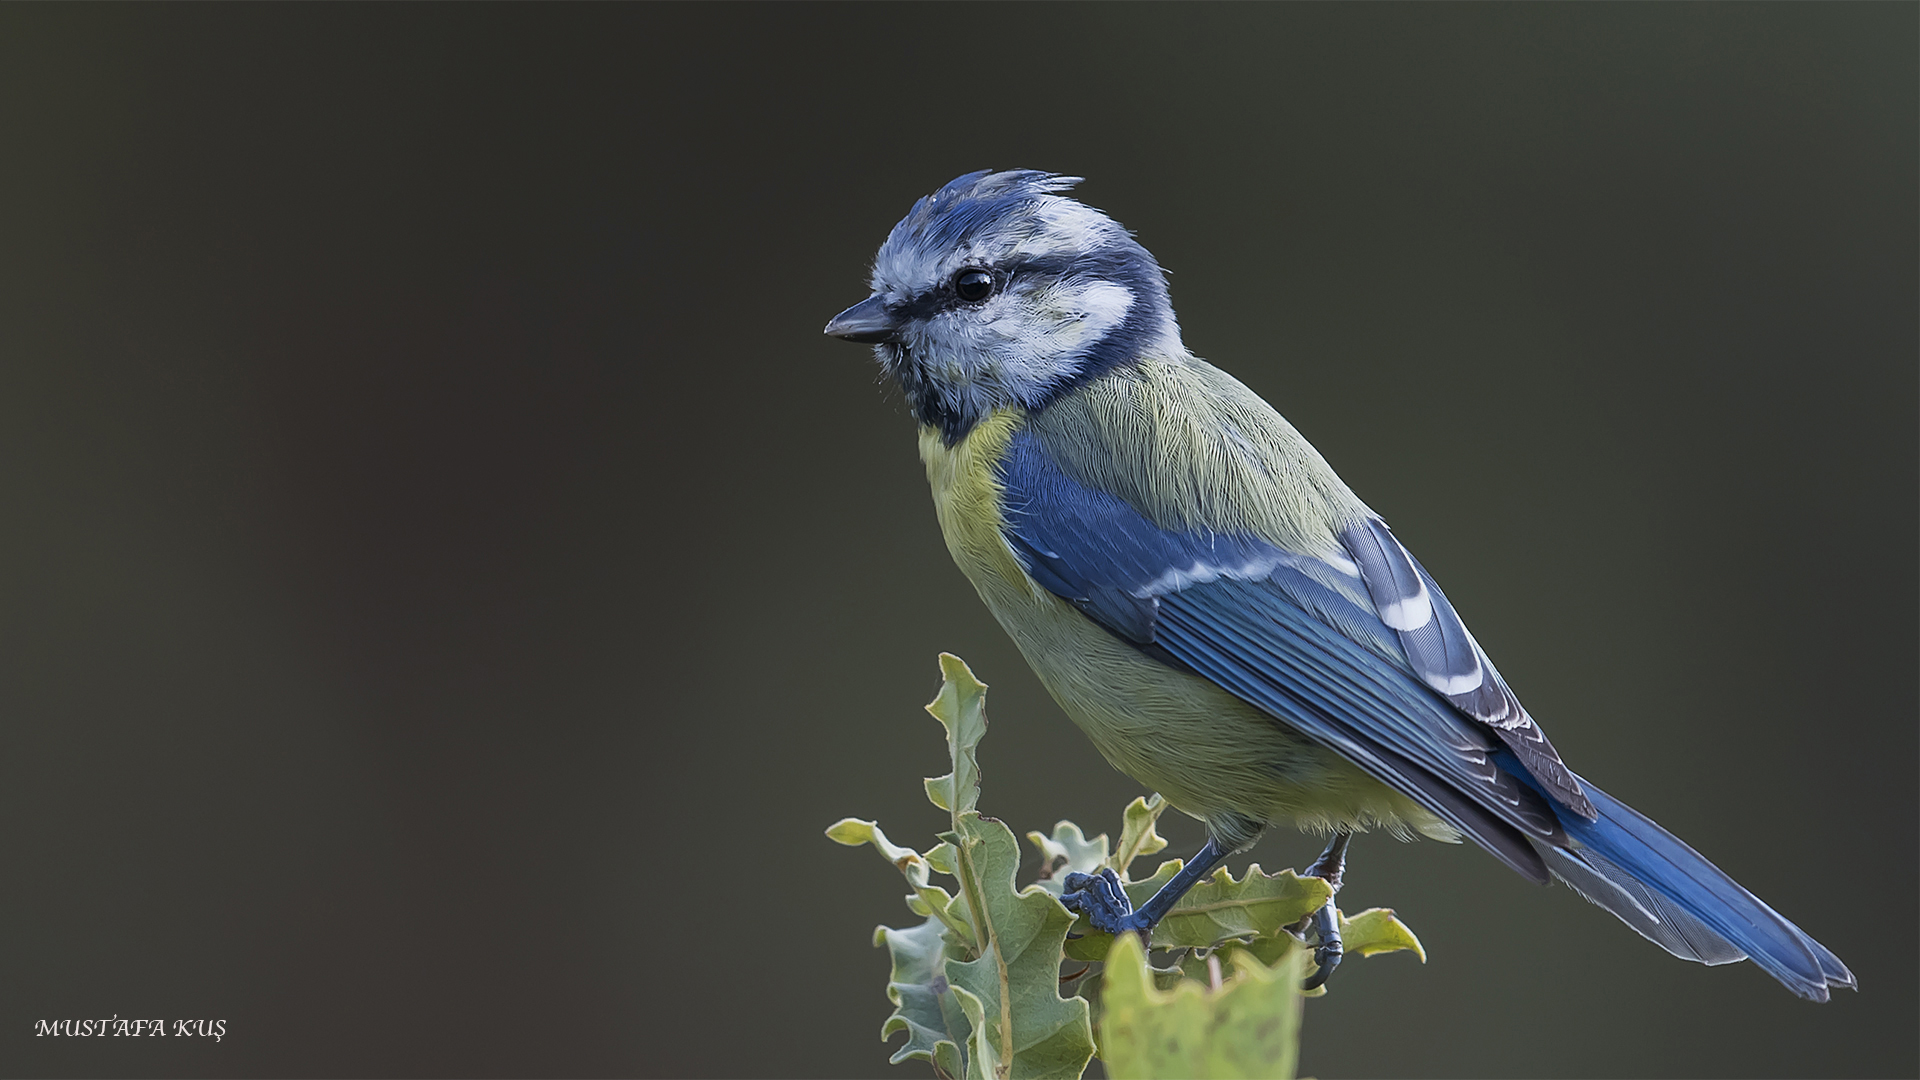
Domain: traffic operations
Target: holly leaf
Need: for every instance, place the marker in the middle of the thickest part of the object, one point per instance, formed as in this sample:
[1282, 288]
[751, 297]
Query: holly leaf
[1259, 904]
[1370, 933]
[983, 1053]
[1067, 852]
[1246, 1026]
[1023, 1027]
[1378, 930]
[924, 1005]
[1137, 836]
[961, 708]
[976, 985]
[853, 832]
[1217, 909]
[926, 899]
[941, 858]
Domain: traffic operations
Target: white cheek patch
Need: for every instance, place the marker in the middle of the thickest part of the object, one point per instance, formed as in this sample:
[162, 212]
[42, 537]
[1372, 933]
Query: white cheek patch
[1067, 318]
[1038, 339]
[1101, 305]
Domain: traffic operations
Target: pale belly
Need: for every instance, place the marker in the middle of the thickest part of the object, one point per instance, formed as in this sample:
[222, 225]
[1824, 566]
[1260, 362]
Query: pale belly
[1211, 754]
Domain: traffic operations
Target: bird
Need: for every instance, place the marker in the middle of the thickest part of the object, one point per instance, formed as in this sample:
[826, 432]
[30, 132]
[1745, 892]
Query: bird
[1206, 599]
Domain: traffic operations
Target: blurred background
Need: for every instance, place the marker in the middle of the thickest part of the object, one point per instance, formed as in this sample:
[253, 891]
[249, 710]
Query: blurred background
[449, 582]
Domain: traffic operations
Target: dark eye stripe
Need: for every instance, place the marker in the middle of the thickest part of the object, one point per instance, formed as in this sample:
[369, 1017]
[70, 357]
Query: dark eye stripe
[949, 297]
[1112, 264]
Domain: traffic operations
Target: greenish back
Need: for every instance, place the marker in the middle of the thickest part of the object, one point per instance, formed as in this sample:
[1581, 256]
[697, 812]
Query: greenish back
[1191, 447]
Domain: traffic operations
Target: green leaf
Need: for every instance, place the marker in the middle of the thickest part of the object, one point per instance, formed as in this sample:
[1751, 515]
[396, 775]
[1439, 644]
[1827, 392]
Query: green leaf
[853, 832]
[1259, 904]
[961, 709]
[1267, 950]
[1066, 852]
[1248, 1027]
[1137, 836]
[976, 985]
[1024, 1028]
[1217, 909]
[926, 899]
[924, 1004]
[1378, 930]
[1370, 933]
[1142, 890]
[947, 1060]
[983, 1053]
[941, 858]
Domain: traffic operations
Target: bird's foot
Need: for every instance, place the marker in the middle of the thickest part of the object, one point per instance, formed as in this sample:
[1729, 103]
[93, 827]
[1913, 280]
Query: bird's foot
[1327, 954]
[1330, 867]
[1101, 899]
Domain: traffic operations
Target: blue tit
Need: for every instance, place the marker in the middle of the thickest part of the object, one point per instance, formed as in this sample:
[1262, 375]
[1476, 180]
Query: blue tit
[1206, 599]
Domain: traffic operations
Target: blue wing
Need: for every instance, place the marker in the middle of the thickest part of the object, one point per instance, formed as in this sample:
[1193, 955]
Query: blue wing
[1296, 636]
[1437, 647]
[1368, 658]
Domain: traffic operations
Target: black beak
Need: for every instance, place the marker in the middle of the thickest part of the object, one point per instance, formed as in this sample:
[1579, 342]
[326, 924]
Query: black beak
[866, 321]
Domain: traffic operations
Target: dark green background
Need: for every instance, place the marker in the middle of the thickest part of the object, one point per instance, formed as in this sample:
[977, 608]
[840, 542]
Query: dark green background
[449, 582]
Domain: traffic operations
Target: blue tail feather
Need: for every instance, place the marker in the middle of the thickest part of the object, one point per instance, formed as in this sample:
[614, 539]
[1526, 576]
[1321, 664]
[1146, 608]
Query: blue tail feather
[1673, 896]
[1607, 885]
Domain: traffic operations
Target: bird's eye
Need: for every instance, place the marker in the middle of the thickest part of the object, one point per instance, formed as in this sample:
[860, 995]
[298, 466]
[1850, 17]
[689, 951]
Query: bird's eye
[973, 285]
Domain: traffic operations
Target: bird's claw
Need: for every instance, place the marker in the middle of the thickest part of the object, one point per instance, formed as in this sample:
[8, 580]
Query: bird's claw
[1105, 904]
[1101, 899]
[1326, 955]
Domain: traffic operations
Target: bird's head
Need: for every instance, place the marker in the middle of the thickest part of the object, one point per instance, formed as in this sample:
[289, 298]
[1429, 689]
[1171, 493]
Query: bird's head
[998, 291]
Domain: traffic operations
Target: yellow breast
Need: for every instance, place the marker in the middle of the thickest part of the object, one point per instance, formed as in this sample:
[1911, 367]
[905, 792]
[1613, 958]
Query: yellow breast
[966, 496]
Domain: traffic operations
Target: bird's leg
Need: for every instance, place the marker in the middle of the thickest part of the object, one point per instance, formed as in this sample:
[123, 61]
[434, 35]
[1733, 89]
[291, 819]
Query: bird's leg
[1332, 862]
[1100, 898]
[1329, 867]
